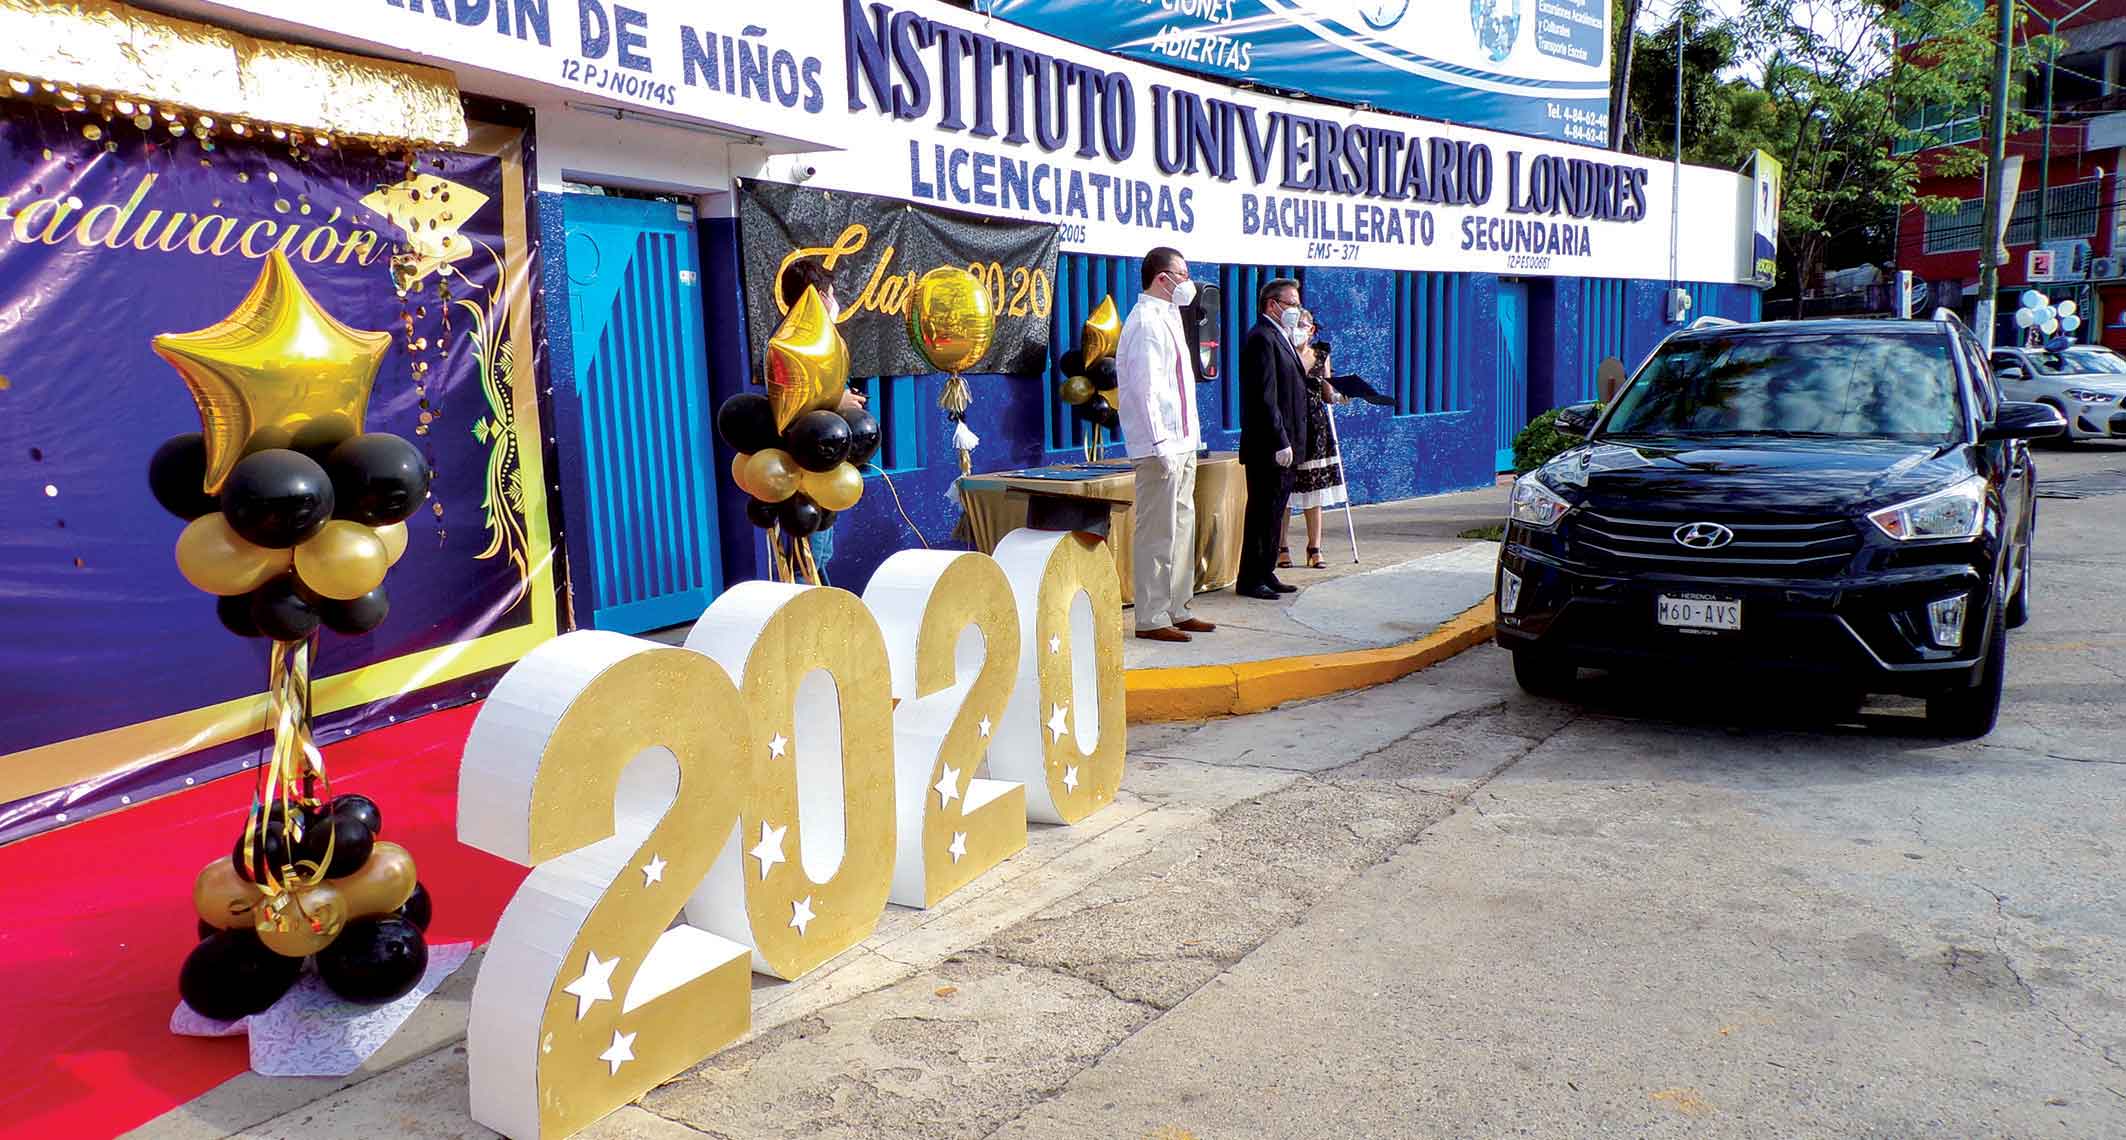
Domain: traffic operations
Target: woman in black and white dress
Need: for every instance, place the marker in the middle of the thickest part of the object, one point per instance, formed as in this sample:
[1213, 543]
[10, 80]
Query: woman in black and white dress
[1318, 478]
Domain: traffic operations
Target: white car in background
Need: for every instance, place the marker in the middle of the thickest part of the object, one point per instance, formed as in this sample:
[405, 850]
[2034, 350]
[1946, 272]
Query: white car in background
[2085, 382]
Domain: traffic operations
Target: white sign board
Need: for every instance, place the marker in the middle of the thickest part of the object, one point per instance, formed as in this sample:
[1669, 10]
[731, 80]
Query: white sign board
[771, 69]
[991, 118]
[2039, 265]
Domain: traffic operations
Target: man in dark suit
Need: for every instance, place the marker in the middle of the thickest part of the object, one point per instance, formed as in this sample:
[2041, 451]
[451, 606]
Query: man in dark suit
[1273, 424]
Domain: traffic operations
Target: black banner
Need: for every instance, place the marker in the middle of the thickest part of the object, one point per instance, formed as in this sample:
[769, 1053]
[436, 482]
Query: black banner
[876, 248]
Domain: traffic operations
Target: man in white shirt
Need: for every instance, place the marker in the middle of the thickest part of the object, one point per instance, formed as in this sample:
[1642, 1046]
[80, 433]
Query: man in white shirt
[1156, 386]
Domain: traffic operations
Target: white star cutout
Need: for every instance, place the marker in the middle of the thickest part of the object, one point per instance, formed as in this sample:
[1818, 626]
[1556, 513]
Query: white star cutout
[595, 985]
[653, 871]
[1070, 777]
[984, 726]
[621, 1051]
[1059, 722]
[801, 914]
[959, 845]
[777, 745]
[1055, 643]
[769, 849]
[948, 786]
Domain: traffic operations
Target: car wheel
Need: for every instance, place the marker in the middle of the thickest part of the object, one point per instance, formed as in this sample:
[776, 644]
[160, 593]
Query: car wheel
[2019, 605]
[1967, 714]
[1543, 674]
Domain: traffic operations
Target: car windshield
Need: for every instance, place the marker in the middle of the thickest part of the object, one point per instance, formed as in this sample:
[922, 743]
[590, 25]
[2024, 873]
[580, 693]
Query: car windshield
[1880, 386]
[2080, 360]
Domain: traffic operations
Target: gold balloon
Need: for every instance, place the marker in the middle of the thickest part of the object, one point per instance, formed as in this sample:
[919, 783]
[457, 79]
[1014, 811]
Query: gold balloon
[216, 559]
[344, 561]
[836, 489]
[1102, 333]
[738, 472]
[951, 318]
[306, 926]
[808, 364]
[222, 898]
[381, 885]
[280, 367]
[394, 539]
[1077, 390]
[771, 475]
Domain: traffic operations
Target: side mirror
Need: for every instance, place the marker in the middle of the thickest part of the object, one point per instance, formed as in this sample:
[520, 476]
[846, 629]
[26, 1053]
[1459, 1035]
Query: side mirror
[1577, 419]
[2009, 372]
[2018, 420]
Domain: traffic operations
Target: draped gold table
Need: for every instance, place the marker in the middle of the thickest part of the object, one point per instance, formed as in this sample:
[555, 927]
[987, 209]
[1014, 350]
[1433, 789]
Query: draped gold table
[996, 504]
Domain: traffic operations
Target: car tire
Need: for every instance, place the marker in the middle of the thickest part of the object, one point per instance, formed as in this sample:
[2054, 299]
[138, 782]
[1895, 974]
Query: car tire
[1541, 674]
[2019, 605]
[1969, 713]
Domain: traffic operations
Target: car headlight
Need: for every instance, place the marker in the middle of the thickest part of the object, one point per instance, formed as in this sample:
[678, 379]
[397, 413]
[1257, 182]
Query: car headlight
[2091, 395]
[1536, 504]
[1955, 512]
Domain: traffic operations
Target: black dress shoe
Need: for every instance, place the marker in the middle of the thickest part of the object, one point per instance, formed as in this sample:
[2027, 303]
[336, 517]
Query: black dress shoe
[1281, 588]
[1263, 593]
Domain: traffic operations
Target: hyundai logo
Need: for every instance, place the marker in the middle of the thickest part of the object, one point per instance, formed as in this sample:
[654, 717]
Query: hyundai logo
[1704, 535]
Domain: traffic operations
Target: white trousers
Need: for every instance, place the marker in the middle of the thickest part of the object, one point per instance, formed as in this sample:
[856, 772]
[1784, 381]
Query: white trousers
[1163, 557]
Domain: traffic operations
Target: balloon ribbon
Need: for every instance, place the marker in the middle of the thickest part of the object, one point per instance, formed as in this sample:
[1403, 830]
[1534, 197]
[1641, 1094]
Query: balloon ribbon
[293, 780]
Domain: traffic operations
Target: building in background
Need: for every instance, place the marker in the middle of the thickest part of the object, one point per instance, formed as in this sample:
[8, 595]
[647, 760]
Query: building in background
[2066, 207]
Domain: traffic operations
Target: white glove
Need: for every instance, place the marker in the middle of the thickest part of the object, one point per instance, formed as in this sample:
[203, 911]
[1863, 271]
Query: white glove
[1284, 457]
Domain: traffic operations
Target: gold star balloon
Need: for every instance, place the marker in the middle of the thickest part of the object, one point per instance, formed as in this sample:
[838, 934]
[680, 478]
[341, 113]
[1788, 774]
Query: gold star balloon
[280, 371]
[808, 365]
[1102, 332]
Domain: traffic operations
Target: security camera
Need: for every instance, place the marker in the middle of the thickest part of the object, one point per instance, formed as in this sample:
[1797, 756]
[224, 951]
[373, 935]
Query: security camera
[804, 171]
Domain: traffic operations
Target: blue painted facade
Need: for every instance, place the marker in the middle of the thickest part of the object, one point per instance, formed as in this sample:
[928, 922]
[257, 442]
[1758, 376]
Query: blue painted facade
[1429, 339]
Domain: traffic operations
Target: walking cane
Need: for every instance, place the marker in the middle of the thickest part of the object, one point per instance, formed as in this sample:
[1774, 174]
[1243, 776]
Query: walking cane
[1338, 443]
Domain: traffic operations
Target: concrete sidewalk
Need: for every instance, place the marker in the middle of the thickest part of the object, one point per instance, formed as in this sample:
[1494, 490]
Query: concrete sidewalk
[1414, 572]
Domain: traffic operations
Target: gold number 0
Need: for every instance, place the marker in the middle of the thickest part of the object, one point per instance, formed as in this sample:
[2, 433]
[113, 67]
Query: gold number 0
[627, 1002]
[951, 826]
[1070, 609]
[815, 865]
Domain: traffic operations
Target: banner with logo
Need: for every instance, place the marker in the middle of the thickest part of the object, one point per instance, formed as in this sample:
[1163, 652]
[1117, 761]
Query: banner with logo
[121, 681]
[876, 248]
[1534, 67]
[1123, 156]
[1764, 220]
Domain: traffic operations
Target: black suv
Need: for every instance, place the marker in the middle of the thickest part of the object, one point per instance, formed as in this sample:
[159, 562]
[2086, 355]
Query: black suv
[1849, 499]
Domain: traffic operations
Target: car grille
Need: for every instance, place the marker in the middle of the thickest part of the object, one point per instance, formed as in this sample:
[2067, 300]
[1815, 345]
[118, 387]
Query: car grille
[1787, 548]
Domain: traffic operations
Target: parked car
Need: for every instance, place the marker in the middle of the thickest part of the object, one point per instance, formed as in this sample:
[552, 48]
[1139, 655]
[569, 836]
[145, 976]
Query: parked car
[1845, 499]
[2085, 383]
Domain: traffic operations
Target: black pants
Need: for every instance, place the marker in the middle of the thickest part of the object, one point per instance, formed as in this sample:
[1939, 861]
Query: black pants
[1269, 501]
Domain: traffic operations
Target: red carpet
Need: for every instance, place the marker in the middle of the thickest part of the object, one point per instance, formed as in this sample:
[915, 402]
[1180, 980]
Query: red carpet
[98, 917]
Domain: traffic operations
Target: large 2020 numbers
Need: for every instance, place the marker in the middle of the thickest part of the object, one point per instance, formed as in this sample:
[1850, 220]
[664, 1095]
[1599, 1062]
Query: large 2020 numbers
[805, 757]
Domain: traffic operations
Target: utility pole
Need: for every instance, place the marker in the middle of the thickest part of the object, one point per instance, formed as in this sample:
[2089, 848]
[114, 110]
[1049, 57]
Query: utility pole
[1989, 262]
[1675, 197]
[1620, 99]
[2044, 166]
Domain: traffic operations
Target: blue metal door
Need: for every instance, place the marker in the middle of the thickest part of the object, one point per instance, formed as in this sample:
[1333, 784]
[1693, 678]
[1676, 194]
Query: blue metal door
[635, 312]
[1513, 368]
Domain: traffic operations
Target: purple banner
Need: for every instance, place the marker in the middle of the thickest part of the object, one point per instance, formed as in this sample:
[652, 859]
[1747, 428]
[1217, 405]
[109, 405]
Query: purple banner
[121, 683]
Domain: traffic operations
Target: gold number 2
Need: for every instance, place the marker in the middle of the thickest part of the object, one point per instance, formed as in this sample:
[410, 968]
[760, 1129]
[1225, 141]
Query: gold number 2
[1065, 723]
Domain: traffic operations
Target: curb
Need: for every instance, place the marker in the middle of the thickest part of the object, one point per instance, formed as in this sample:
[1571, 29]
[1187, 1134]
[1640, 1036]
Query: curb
[1202, 692]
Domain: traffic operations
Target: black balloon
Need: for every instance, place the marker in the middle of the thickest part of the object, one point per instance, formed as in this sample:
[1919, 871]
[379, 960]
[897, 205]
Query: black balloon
[419, 909]
[231, 974]
[362, 808]
[799, 515]
[747, 422]
[271, 847]
[358, 616]
[207, 929]
[374, 960]
[350, 839]
[826, 519]
[1071, 363]
[281, 612]
[379, 477]
[177, 474]
[1102, 375]
[761, 514]
[863, 435]
[235, 614]
[819, 441]
[277, 498]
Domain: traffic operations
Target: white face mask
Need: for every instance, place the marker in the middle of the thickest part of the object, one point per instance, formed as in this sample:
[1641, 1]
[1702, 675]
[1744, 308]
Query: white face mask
[1300, 336]
[1184, 292]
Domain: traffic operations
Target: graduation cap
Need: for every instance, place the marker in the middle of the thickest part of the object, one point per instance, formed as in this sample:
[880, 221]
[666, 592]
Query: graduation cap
[1358, 389]
[1067, 512]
